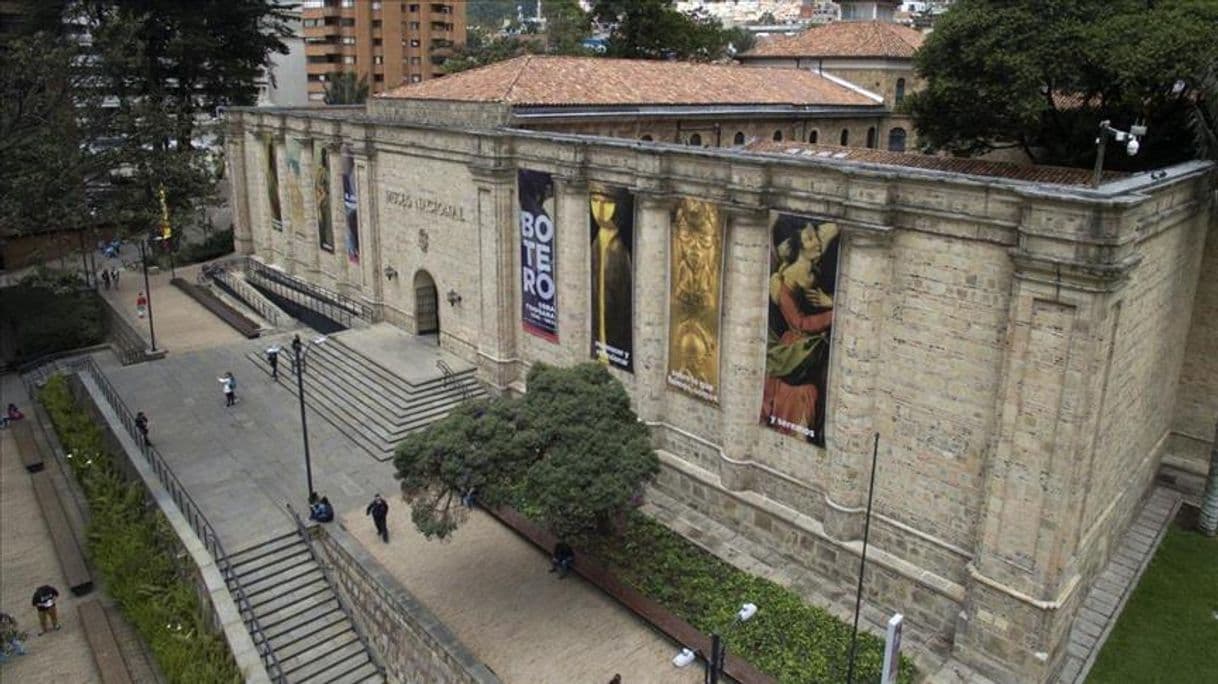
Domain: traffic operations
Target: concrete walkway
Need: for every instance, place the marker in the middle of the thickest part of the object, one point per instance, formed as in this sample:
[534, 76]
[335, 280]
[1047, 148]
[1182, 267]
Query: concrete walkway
[27, 561]
[241, 464]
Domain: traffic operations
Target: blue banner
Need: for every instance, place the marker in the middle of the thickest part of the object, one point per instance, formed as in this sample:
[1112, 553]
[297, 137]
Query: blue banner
[538, 266]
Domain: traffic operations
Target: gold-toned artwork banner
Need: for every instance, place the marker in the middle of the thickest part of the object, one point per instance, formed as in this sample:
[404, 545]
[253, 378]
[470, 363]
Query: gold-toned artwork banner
[694, 300]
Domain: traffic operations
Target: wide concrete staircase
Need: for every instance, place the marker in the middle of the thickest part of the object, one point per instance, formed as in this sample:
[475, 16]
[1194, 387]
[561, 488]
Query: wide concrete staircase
[367, 402]
[298, 611]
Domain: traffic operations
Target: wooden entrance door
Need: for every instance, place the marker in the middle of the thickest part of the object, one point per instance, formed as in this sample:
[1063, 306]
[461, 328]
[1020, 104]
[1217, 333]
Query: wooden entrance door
[426, 305]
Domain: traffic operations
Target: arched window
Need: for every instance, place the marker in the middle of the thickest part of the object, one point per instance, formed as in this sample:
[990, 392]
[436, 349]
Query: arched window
[695, 139]
[871, 137]
[900, 91]
[646, 137]
[896, 140]
[814, 136]
[777, 135]
[845, 137]
[739, 139]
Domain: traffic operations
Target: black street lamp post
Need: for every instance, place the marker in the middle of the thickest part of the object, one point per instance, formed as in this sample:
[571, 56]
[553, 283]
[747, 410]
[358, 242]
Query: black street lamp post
[300, 352]
[147, 290]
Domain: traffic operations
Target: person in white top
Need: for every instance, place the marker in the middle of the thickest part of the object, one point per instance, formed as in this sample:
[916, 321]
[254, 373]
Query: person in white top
[230, 388]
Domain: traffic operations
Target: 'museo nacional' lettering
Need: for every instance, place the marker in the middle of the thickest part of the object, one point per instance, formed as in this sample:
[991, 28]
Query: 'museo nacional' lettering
[424, 205]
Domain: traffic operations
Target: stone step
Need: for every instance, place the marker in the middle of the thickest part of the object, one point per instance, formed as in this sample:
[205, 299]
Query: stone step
[397, 391]
[336, 656]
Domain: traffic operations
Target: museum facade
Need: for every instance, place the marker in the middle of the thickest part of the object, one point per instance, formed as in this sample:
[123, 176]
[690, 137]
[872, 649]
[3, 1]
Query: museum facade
[1013, 336]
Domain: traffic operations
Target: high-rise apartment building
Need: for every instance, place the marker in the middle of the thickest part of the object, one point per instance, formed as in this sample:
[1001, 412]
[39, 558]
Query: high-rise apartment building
[390, 42]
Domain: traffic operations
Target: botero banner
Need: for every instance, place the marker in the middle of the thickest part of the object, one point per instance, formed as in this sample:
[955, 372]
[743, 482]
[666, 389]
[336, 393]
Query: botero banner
[272, 185]
[803, 278]
[612, 223]
[538, 268]
[696, 278]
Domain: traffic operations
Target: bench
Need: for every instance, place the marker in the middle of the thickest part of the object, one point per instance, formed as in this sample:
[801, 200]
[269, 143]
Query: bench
[71, 558]
[106, 654]
[594, 572]
[239, 321]
[27, 448]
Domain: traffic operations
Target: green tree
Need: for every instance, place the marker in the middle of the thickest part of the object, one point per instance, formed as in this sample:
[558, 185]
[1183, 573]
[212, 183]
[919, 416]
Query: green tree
[346, 88]
[567, 26]
[1041, 74]
[654, 29]
[572, 447]
[481, 49]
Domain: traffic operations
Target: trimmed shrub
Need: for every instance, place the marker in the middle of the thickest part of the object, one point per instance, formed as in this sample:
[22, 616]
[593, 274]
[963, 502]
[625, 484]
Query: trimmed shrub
[48, 316]
[215, 245]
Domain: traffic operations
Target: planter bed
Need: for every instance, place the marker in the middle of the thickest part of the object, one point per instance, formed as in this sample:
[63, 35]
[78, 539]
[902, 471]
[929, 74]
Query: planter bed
[212, 303]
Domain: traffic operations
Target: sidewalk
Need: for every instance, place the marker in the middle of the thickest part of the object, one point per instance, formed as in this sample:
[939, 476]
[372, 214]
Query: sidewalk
[28, 561]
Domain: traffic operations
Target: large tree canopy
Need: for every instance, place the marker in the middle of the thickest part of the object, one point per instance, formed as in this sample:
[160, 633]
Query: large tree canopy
[1041, 74]
[654, 29]
[572, 447]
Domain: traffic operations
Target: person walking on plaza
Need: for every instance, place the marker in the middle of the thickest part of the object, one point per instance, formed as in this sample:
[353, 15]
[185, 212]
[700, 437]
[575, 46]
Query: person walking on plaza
[141, 304]
[379, 510]
[114, 277]
[272, 357]
[11, 638]
[230, 388]
[44, 602]
[141, 424]
[105, 278]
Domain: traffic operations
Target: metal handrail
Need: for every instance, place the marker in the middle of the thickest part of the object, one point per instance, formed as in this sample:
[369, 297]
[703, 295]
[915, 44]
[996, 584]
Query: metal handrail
[190, 510]
[245, 293]
[303, 531]
[318, 292]
[450, 376]
[324, 307]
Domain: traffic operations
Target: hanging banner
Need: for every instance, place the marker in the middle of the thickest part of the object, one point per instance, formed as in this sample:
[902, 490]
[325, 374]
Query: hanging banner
[696, 284]
[803, 278]
[612, 223]
[538, 265]
[272, 185]
[321, 195]
[351, 206]
[295, 186]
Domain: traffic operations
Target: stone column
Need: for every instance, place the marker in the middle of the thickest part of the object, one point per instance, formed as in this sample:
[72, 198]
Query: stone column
[499, 268]
[865, 271]
[238, 181]
[651, 304]
[311, 240]
[743, 350]
[574, 290]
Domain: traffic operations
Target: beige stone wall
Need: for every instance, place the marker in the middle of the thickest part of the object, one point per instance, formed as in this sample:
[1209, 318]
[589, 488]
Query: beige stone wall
[723, 133]
[1197, 401]
[1014, 345]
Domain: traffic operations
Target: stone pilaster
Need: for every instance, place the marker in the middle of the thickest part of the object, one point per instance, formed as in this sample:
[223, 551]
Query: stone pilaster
[651, 304]
[310, 240]
[234, 152]
[744, 342]
[498, 263]
[574, 318]
[865, 272]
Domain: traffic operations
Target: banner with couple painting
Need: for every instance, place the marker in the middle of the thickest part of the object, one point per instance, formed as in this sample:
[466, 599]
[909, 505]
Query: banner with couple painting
[803, 279]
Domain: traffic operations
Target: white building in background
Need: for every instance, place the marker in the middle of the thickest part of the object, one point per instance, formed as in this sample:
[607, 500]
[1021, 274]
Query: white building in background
[739, 12]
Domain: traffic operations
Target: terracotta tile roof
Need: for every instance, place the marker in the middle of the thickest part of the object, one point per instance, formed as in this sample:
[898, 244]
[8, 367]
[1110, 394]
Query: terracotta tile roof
[1055, 175]
[845, 39]
[541, 80]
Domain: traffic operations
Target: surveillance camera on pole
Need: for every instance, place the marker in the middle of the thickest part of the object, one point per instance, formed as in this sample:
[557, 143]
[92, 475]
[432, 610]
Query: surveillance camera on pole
[1131, 138]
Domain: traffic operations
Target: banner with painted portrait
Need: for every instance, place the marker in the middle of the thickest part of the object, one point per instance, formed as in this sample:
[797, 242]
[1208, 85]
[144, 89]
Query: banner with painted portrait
[694, 300]
[295, 185]
[538, 256]
[272, 185]
[612, 270]
[803, 279]
[321, 195]
[351, 205]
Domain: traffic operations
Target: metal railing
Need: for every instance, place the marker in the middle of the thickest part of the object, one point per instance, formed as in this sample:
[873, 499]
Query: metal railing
[189, 509]
[237, 288]
[323, 296]
[450, 377]
[303, 531]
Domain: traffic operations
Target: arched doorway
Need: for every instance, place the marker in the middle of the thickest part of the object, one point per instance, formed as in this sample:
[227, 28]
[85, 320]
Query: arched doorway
[426, 304]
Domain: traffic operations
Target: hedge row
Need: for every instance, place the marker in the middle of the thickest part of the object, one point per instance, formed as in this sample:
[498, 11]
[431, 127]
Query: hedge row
[136, 551]
[49, 315]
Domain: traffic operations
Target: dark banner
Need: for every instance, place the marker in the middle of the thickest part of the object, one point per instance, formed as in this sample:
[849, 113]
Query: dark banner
[272, 186]
[295, 186]
[803, 278]
[696, 283]
[351, 206]
[321, 195]
[612, 222]
[538, 266]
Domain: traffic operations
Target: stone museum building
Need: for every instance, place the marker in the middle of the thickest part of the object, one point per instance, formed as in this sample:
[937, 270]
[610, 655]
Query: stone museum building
[1031, 351]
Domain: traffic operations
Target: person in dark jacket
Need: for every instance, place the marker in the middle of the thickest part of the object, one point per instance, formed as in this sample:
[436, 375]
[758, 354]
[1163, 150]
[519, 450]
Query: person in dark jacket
[379, 510]
[321, 510]
[141, 424]
[563, 559]
[44, 602]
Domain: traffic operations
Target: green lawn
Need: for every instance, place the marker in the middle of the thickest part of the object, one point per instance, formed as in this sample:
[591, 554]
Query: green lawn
[1168, 631]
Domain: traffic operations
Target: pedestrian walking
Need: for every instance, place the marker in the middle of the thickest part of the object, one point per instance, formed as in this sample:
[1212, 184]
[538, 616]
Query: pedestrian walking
[229, 384]
[562, 559]
[44, 602]
[105, 278]
[379, 510]
[141, 424]
[11, 637]
[114, 276]
[141, 304]
[272, 357]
